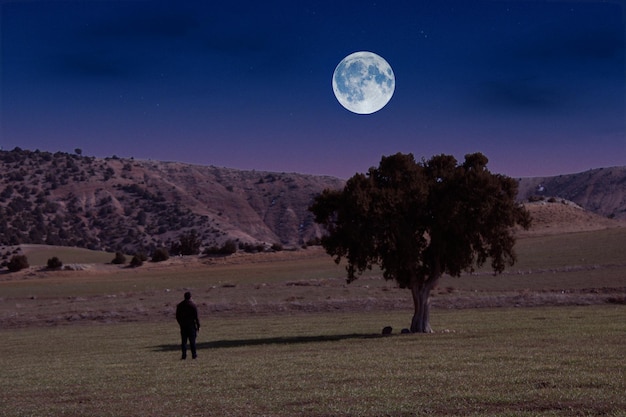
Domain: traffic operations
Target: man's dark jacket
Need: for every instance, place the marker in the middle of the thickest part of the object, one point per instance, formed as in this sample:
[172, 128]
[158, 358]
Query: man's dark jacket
[187, 315]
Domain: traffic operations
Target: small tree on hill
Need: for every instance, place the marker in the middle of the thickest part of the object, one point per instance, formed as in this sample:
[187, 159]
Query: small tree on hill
[228, 248]
[160, 255]
[119, 259]
[136, 261]
[418, 221]
[54, 263]
[188, 244]
[17, 263]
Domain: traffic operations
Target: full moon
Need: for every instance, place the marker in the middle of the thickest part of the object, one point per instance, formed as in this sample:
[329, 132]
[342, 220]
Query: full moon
[363, 82]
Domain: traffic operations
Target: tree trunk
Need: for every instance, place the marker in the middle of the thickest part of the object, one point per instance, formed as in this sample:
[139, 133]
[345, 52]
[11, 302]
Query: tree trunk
[421, 302]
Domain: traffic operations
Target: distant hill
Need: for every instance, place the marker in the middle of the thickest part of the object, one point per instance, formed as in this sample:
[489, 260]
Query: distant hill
[601, 191]
[555, 215]
[131, 205]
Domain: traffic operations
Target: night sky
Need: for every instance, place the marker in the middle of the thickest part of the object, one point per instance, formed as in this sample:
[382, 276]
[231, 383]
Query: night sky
[537, 86]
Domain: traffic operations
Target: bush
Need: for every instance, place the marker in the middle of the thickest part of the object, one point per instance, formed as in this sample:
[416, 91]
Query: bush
[212, 250]
[252, 247]
[136, 261]
[54, 263]
[228, 248]
[17, 263]
[119, 259]
[277, 247]
[160, 255]
[188, 244]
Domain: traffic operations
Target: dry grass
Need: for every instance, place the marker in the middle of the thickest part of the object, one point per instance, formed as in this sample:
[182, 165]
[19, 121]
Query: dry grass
[570, 269]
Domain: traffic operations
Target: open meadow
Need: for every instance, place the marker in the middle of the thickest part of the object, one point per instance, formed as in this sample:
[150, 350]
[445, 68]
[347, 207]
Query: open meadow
[284, 335]
[561, 361]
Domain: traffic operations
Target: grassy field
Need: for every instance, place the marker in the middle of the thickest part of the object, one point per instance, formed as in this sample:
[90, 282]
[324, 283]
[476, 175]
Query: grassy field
[285, 336]
[575, 268]
[555, 361]
[38, 255]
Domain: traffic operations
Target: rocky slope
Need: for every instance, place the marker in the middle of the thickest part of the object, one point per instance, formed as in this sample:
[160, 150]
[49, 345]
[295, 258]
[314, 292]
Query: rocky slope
[129, 205]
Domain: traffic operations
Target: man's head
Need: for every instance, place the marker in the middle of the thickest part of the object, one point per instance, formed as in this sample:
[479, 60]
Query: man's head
[187, 295]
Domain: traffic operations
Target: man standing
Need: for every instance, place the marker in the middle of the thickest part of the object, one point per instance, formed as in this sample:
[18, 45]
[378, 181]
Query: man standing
[187, 318]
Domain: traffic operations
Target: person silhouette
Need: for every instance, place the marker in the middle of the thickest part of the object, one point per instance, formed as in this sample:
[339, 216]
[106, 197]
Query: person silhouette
[187, 318]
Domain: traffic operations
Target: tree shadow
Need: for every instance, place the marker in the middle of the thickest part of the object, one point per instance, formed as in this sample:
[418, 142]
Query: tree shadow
[220, 344]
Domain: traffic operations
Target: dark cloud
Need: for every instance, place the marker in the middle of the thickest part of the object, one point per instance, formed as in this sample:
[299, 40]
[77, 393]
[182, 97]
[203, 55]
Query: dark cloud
[575, 48]
[521, 94]
[123, 45]
[145, 25]
[536, 72]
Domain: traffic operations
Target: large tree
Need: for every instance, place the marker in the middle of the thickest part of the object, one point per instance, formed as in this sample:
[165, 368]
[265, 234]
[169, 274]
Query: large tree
[420, 220]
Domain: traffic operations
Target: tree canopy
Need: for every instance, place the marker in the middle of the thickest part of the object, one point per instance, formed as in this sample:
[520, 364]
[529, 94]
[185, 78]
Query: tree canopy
[419, 220]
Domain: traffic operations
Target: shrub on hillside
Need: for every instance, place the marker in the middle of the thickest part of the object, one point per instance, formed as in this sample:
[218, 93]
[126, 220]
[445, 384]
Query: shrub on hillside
[160, 255]
[119, 259]
[188, 244]
[252, 247]
[54, 263]
[228, 248]
[17, 263]
[136, 261]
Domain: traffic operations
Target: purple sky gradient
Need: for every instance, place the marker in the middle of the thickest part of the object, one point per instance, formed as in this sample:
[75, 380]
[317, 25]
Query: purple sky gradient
[537, 86]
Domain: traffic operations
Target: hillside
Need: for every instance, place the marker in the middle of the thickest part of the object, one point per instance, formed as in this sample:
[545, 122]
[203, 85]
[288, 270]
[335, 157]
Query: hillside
[555, 216]
[129, 205]
[601, 191]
